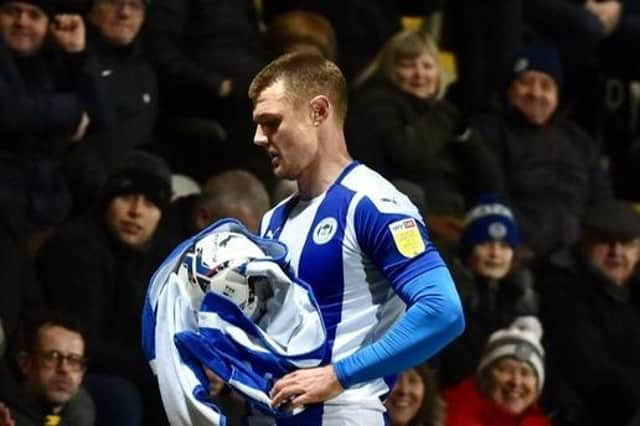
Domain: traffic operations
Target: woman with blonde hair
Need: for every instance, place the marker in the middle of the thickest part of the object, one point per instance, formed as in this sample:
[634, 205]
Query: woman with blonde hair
[403, 126]
[405, 46]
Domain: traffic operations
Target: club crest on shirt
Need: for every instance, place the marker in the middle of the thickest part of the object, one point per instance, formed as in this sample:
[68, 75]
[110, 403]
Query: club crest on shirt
[325, 230]
[407, 237]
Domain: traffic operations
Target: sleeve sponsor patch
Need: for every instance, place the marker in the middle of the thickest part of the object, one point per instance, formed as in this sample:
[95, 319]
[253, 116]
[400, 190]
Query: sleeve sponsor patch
[407, 237]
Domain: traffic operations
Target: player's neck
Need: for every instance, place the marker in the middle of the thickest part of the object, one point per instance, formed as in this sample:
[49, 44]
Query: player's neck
[323, 172]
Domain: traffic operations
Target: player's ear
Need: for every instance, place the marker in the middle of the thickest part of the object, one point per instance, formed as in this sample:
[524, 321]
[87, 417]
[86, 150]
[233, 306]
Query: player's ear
[320, 108]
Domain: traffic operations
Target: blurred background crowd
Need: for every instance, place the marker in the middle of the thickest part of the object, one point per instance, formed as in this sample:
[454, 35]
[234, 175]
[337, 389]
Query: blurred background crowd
[513, 125]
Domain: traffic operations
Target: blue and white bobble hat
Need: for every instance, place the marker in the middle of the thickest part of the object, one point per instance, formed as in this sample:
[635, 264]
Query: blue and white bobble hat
[488, 221]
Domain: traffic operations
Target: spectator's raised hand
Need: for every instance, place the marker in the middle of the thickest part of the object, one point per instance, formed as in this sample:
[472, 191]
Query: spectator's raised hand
[69, 32]
[608, 12]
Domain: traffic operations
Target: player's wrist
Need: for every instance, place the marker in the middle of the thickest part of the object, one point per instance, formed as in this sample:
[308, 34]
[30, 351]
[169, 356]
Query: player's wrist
[341, 373]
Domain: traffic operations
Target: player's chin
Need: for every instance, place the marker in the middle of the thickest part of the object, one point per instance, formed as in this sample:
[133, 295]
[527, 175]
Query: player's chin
[283, 173]
[277, 172]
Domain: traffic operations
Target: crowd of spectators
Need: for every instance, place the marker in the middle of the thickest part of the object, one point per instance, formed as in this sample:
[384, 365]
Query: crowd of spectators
[522, 159]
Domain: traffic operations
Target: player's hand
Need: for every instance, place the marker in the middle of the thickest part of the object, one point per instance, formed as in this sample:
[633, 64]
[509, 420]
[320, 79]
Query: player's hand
[306, 386]
[69, 32]
[216, 384]
[5, 416]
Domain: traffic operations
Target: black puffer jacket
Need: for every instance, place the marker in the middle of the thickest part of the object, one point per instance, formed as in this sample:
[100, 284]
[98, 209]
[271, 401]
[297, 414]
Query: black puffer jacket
[551, 174]
[42, 99]
[405, 137]
[196, 44]
[131, 82]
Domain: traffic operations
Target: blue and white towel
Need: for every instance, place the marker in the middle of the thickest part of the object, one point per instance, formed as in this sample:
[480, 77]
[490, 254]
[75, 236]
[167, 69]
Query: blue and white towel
[184, 329]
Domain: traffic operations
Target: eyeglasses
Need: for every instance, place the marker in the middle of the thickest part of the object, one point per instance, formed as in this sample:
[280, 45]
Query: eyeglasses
[135, 5]
[53, 359]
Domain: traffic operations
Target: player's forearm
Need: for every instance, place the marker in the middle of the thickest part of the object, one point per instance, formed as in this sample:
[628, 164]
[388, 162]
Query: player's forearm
[433, 320]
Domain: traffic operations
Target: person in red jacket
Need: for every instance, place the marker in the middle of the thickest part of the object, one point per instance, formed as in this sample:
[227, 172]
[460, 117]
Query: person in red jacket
[506, 388]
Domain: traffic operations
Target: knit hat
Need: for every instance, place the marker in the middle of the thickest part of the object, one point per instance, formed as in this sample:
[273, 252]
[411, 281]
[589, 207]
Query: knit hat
[520, 341]
[538, 57]
[489, 220]
[90, 3]
[47, 6]
[140, 173]
[614, 219]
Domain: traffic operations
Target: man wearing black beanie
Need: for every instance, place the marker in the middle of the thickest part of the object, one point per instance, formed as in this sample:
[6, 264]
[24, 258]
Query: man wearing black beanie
[98, 268]
[133, 198]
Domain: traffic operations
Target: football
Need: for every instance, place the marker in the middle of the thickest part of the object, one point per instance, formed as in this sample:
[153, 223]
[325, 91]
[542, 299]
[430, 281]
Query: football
[216, 263]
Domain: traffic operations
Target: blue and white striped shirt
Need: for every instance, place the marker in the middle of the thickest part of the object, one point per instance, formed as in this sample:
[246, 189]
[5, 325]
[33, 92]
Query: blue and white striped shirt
[363, 248]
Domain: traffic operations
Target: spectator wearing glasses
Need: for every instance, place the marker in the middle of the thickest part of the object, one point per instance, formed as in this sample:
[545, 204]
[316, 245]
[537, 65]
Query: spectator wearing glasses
[114, 250]
[52, 365]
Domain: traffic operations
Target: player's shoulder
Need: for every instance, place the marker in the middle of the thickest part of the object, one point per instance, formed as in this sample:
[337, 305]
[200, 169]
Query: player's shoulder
[378, 192]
